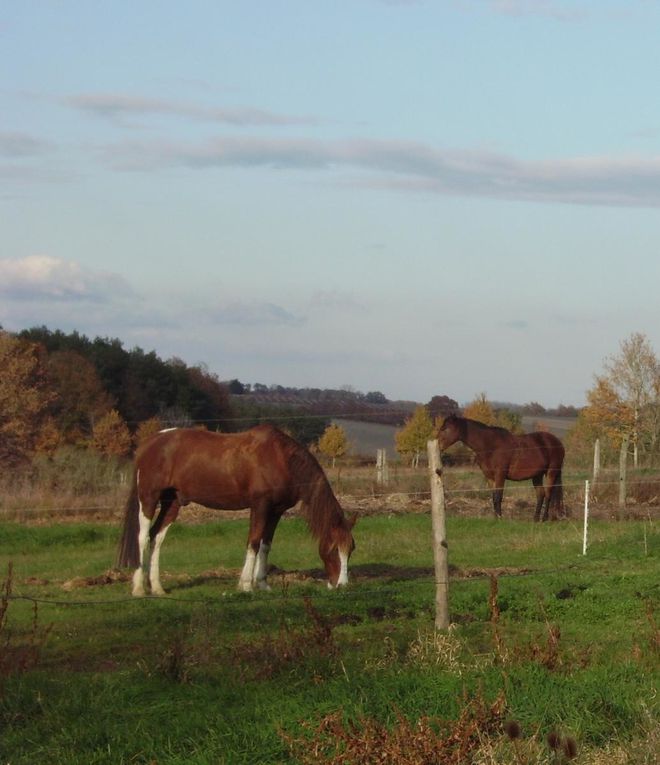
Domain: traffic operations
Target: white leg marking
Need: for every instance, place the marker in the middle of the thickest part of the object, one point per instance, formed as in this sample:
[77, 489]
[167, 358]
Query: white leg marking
[245, 580]
[154, 572]
[343, 573]
[143, 541]
[261, 568]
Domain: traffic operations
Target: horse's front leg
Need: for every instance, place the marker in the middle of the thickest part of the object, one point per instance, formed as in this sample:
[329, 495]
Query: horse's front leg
[498, 493]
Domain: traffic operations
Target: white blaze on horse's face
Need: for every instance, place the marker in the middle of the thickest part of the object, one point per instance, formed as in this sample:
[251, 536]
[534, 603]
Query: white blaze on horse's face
[336, 561]
[343, 569]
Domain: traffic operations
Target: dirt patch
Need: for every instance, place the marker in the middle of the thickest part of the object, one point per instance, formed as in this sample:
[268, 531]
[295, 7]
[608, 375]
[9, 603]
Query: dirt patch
[109, 577]
[279, 578]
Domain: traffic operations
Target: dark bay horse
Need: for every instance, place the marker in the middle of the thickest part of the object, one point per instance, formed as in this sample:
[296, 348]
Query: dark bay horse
[262, 469]
[501, 455]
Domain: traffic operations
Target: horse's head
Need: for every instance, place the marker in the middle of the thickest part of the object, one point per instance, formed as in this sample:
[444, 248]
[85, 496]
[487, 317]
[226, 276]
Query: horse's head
[449, 432]
[335, 551]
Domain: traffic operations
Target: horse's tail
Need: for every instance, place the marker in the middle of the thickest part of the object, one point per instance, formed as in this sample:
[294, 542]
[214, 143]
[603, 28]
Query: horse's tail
[557, 497]
[129, 551]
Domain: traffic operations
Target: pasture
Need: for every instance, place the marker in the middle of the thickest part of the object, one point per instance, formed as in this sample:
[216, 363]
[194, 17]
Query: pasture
[552, 656]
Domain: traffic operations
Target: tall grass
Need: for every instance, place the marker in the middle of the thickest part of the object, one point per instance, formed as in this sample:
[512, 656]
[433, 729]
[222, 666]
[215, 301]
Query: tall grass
[73, 481]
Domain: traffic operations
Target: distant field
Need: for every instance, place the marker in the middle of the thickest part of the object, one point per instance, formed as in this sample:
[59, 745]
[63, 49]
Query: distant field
[367, 437]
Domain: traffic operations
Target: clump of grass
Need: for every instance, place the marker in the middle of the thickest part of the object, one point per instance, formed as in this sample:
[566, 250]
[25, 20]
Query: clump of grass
[440, 650]
[334, 740]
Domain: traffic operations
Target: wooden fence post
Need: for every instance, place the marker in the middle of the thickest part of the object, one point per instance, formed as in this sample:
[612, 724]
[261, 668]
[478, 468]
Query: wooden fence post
[623, 461]
[382, 472]
[440, 547]
[596, 460]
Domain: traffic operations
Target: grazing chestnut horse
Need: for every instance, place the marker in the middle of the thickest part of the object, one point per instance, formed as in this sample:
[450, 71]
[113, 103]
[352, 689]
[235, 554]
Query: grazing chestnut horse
[501, 455]
[262, 469]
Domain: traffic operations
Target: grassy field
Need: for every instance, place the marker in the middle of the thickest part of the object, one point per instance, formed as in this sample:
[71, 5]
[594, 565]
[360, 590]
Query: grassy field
[552, 656]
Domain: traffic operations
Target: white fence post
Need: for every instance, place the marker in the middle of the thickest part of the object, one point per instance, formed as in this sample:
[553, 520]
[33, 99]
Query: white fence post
[586, 517]
[440, 547]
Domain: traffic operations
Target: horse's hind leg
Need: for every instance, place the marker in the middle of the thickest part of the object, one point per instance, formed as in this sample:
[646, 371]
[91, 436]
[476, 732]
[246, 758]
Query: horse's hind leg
[553, 489]
[258, 516]
[261, 566]
[537, 480]
[147, 508]
[169, 509]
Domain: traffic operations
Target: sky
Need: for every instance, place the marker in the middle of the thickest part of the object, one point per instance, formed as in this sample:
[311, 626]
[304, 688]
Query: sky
[419, 197]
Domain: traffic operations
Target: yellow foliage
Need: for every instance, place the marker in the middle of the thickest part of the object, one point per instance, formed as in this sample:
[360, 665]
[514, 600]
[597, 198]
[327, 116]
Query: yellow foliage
[334, 442]
[606, 413]
[111, 435]
[147, 428]
[418, 429]
[481, 410]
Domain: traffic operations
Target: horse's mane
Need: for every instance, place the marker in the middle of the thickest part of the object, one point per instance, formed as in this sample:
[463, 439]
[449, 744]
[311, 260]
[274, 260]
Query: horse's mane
[320, 506]
[483, 426]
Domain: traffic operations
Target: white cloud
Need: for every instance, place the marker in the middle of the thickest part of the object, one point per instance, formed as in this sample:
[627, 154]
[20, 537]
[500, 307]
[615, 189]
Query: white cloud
[118, 106]
[41, 277]
[413, 166]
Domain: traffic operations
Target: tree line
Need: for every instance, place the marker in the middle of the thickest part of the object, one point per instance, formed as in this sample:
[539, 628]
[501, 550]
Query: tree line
[64, 389]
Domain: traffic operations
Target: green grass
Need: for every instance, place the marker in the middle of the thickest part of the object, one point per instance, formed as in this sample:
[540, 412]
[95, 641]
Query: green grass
[210, 675]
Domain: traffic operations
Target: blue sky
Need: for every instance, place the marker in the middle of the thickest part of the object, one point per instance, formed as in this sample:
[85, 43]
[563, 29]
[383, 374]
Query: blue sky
[418, 197]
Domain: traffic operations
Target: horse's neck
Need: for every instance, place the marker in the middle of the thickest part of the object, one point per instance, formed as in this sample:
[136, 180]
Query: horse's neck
[319, 497]
[477, 438]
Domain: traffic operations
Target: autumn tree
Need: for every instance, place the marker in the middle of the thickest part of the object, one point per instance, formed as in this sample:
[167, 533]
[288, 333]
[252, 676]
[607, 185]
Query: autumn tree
[442, 406]
[625, 399]
[411, 440]
[334, 442]
[147, 428]
[81, 399]
[24, 399]
[482, 410]
[111, 435]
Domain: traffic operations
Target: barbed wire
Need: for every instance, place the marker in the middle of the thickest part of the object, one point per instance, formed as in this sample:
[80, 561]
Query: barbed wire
[510, 486]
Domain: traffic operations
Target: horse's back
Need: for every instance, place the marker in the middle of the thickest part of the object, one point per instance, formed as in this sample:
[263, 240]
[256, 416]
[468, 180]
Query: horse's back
[217, 469]
[550, 444]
